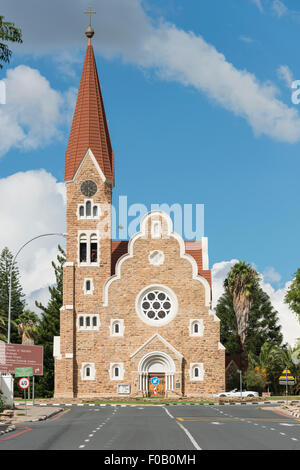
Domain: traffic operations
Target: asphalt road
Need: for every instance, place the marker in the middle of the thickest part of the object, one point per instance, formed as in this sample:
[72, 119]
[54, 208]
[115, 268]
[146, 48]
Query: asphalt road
[158, 428]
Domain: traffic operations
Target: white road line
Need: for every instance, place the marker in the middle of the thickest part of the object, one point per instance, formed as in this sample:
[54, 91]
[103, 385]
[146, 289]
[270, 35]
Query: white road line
[191, 438]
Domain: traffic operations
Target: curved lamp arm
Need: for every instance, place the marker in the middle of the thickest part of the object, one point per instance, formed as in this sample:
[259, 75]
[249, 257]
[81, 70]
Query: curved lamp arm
[10, 276]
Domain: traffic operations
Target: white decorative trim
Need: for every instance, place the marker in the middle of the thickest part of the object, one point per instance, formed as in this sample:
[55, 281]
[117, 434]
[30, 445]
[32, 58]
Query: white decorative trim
[84, 366]
[156, 257]
[183, 254]
[69, 355]
[90, 316]
[220, 346]
[90, 154]
[68, 264]
[205, 259]
[158, 336]
[69, 307]
[120, 322]
[91, 291]
[217, 319]
[173, 300]
[200, 367]
[156, 229]
[88, 217]
[56, 347]
[88, 234]
[120, 365]
[200, 324]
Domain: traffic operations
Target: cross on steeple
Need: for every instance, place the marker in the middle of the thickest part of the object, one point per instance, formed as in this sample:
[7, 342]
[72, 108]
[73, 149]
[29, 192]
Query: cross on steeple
[90, 12]
[90, 32]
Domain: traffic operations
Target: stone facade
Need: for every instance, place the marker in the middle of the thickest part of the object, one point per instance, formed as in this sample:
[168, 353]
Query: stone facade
[131, 311]
[154, 262]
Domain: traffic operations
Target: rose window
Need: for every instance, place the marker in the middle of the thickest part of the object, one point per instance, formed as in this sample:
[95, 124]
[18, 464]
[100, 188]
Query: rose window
[156, 305]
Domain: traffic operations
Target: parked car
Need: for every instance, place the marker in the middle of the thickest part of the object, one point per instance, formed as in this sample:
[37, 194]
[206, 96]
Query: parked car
[237, 394]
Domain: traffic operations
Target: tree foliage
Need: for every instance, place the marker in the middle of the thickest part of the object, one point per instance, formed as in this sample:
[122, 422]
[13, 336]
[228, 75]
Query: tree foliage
[262, 326]
[8, 33]
[49, 327]
[293, 294]
[17, 296]
[241, 283]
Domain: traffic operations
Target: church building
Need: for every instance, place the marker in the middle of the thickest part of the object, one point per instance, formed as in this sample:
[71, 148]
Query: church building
[136, 318]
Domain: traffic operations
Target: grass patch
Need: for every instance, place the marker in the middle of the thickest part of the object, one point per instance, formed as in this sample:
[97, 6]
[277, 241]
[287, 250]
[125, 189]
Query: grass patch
[283, 397]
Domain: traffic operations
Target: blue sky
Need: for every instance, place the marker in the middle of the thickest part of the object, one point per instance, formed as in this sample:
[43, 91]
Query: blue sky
[175, 141]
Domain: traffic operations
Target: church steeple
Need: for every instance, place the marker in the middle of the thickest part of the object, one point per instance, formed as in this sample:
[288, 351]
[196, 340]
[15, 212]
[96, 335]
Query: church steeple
[89, 127]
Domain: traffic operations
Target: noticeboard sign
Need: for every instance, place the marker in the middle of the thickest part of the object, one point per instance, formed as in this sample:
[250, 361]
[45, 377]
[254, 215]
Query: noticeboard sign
[23, 372]
[13, 356]
[286, 382]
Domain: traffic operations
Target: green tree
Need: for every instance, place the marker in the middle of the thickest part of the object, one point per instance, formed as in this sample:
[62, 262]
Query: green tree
[255, 380]
[17, 296]
[241, 282]
[49, 327]
[28, 327]
[262, 325]
[8, 33]
[292, 297]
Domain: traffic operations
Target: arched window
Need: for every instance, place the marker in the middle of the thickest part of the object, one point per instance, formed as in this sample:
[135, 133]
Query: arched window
[88, 209]
[95, 211]
[87, 372]
[88, 285]
[87, 322]
[83, 249]
[94, 322]
[81, 324]
[196, 372]
[116, 372]
[116, 328]
[196, 328]
[81, 211]
[94, 248]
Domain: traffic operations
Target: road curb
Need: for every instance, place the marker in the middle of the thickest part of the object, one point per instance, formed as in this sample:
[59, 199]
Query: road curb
[10, 428]
[44, 417]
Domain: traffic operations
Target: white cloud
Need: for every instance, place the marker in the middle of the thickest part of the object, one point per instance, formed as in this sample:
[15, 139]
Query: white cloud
[279, 8]
[289, 322]
[32, 204]
[271, 275]
[34, 112]
[285, 74]
[124, 29]
[259, 5]
[246, 39]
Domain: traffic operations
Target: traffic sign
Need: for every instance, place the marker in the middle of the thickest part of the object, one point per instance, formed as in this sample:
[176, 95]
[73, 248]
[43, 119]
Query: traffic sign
[284, 382]
[24, 383]
[23, 372]
[155, 380]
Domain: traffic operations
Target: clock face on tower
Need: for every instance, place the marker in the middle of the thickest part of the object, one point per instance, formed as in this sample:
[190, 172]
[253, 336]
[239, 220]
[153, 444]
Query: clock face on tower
[88, 188]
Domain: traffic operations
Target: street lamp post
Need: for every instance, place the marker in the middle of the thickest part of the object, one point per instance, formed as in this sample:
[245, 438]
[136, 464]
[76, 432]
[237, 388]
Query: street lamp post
[10, 276]
[241, 382]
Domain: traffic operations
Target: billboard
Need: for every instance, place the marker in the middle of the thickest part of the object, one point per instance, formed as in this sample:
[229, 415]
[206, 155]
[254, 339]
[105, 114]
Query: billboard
[13, 356]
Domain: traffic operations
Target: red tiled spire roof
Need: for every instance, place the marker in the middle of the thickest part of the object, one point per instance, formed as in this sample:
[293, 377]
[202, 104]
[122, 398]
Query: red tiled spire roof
[89, 126]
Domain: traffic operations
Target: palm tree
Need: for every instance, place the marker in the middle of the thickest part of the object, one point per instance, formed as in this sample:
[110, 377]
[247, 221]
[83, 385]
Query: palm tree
[241, 283]
[27, 327]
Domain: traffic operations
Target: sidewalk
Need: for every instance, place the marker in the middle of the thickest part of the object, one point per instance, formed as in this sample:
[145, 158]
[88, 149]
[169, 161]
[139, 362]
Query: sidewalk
[29, 413]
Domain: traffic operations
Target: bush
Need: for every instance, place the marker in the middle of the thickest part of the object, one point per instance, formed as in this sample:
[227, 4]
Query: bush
[255, 380]
[2, 402]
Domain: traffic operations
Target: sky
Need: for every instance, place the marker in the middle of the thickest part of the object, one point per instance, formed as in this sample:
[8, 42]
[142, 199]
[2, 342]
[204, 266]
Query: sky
[199, 103]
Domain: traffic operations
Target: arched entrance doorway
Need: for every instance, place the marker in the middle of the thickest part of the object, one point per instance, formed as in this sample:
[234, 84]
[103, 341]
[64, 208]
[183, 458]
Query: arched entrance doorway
[156, 374]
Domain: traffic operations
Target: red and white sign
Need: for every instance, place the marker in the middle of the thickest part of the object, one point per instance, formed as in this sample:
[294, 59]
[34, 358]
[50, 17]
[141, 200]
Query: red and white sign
[24, 383]
[13, 356]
